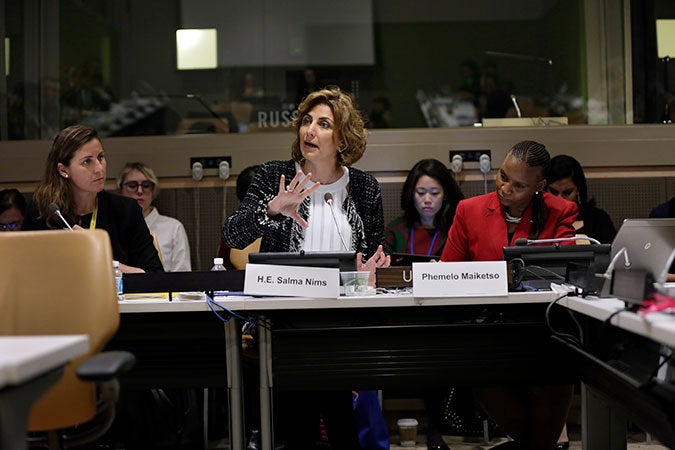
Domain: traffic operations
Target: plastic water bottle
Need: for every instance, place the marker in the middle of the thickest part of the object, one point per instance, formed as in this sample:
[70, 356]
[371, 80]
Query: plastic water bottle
[218, 265]
[119, 280]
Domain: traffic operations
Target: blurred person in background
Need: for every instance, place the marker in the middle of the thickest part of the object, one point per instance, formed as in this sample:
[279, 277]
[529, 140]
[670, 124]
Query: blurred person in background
[138, 181]
[12, 210]
[566, 179]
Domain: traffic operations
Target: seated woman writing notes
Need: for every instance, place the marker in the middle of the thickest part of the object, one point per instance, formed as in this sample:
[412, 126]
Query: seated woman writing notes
[428, 200]
[518, 208]
[286, 206]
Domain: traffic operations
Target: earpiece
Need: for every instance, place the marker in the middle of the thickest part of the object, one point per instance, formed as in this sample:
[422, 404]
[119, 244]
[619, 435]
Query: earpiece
[224, 170]
[484, 163]
[456, 164]
[197, 171]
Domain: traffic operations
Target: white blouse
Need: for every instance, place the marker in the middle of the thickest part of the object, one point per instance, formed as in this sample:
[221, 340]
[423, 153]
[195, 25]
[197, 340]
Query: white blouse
[328, 228]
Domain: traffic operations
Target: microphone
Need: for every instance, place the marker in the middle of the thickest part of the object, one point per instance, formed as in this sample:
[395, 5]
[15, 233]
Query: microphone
[521, 242]
[626, 262]
[328, 198]
[53, 207]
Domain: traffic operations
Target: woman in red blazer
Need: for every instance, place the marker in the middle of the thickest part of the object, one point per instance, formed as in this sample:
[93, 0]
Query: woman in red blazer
[519, 208]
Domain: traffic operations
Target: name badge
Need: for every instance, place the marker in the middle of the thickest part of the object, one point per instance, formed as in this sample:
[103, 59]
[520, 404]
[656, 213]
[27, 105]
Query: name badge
[460, 279]
[291, 281]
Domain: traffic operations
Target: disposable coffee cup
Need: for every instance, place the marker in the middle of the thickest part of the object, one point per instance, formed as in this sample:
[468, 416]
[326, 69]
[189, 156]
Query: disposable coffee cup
[355, 283]
[407, 430]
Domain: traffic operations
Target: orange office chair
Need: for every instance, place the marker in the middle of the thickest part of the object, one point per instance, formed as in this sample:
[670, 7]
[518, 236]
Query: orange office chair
[61, 282]
[239, 257]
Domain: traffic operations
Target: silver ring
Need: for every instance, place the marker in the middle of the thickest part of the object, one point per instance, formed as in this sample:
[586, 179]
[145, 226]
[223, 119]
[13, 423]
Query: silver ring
[289, 189]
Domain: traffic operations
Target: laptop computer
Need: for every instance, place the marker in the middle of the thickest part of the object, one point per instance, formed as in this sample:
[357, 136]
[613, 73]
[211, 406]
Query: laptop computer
[642, 254]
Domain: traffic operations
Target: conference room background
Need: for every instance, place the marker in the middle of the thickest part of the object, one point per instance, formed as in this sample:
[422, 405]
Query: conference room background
[112, 64]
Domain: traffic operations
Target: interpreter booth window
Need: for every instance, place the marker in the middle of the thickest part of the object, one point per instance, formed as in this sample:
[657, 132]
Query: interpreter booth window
[119, 66]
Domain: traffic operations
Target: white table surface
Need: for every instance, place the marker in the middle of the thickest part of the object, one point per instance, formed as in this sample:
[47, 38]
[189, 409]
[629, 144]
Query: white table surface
[246, 303]
[659, 327]
[25, 357]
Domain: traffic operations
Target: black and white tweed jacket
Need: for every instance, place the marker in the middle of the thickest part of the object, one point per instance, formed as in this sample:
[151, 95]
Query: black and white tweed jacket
[363, 207]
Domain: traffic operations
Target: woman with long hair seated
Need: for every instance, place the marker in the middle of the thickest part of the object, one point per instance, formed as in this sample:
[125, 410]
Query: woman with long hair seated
[428, 199]
[566, 179]
[74, 179]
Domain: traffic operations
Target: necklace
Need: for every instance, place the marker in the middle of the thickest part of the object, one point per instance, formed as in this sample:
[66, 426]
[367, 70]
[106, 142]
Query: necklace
[512, 219]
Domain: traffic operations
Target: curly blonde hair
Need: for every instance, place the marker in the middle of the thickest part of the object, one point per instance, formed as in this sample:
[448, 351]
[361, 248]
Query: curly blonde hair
[350, 133]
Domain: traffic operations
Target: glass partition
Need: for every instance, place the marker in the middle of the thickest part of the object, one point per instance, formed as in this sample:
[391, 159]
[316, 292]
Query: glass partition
[408, 64]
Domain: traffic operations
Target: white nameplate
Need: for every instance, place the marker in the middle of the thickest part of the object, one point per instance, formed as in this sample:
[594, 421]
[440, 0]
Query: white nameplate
[291, 281]
[460, 279]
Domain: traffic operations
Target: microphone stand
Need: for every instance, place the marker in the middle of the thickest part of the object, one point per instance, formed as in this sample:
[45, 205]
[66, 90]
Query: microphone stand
[202, 103]
[537, 59]
[666, 91]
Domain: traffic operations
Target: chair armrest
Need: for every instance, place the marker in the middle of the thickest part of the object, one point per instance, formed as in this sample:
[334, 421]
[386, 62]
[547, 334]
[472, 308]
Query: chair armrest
[106, 366]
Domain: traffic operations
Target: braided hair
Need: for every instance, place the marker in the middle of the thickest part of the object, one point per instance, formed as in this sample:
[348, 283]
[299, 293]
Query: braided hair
[534, 154]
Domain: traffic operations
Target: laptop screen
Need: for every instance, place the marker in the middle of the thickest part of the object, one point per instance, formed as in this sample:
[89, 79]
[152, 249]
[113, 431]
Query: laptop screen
[643, 250]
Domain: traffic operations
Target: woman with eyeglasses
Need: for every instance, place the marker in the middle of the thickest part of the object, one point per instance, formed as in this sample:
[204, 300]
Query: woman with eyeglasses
[138, 181]
[12, 210]
[74, 180]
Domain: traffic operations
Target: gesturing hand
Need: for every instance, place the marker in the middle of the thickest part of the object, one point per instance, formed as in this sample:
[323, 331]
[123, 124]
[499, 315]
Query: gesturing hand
[289, 198]
[379, 259]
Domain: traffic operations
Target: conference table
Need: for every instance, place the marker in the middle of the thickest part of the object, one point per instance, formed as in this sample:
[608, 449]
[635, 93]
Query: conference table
[29, 365]
[386, 341]
[395, 340]
[625, 368]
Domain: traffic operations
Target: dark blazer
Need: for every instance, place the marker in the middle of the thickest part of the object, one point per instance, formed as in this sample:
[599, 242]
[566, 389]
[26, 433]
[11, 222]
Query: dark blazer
[478, 232]
[597, 224]
[664, 210]
[122, 218]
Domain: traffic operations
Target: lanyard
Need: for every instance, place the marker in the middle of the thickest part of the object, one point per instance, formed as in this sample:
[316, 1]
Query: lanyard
[92, 223]
[412, 239]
